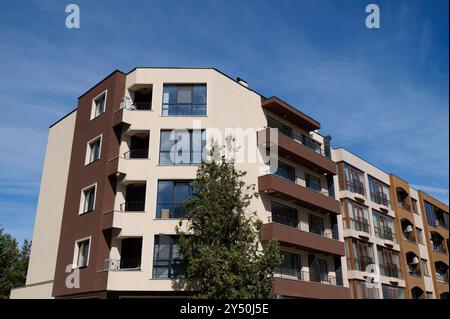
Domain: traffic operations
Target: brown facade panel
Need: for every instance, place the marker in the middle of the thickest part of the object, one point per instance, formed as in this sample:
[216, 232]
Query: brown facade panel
[299, 153]
[305, 289]
[284, 110]
[294, 237]
[279, 187]
[89, 225]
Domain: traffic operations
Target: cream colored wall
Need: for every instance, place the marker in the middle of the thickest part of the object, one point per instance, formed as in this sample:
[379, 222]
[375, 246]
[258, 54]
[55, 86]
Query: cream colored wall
[339, 155]
[49, 211]
[229, 105]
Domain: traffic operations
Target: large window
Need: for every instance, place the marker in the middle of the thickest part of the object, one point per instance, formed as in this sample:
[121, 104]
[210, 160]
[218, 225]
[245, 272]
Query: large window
[362, 254]
[354, 180]
[184, 100]
[284, 215]
[167, 262]
[379, 192]
[182, 147]
[389, 262]
[82, 253]
[93, 150]
[282, 128]
[313, 182]
[384, 225]
[290, 264]
[171, 196]
[391, 292]
[358, 217]
[286, 171]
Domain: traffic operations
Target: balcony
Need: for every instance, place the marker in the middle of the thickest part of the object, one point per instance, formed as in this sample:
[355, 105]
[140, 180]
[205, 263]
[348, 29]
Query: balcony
[303, 284]
[279, 187]
[134, 198]
[355, 186]
[287, 235]
[361, 225]
[136, 153]
[404, 206]
[286, 111]
[380, 198]
[359, 263]
[390, 270]
[298, 152]
[385, 233]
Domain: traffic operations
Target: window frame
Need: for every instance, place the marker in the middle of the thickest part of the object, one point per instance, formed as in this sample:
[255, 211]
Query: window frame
[76, 254]
[177, 104]
[173, 243]
[89, 149]
[203, 139]
[83, 199]
[94, 114]
[172, 203]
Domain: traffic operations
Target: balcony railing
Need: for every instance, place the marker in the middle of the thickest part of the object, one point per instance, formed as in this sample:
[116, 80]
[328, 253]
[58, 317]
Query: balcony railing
[309, 276]
[380, 198]
[142, 106]
[360, 225]
[331, 233]
[360, 263]
[311, 145]
[414, 272]
[355, 186]
[385, 233]
[136, 153]
[133, 206]
[127, 264]
[439, 248]
[442, 277]
[409, 236]
[404, 206]
[390, 270]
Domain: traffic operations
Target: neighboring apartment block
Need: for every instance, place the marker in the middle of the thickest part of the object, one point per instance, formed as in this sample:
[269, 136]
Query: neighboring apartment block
[113, 187]
[385, 226]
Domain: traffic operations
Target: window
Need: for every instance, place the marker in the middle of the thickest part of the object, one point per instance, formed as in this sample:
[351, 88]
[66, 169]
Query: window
[286, 171]
[88, 195]
[419, 235]
[391, 292]
[94, 150]
[358, 217]
[389, 262]
[99, 105]
[318, 269]
[354, 180]
[82, 253]
[429, 210]
[362, 291]
[184, 100]
[316, 224]
[425, 267]
[184, 147]
[167, 262]
[384, 225]
[362, 254]
[313, 182]
[379, 192]
[290, 264]
[282, 128]
[170, 198]
[414, 206]
[284, 215]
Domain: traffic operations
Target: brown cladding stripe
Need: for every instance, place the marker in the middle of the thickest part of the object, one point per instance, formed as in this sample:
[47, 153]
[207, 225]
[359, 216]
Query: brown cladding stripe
[75, 226]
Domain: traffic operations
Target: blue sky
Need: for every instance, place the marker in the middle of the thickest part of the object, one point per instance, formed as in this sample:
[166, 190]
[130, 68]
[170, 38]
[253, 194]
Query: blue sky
[382, 93]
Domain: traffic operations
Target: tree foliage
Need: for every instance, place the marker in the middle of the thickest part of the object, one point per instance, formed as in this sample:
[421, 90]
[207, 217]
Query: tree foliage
[220, 246]
[13, 263]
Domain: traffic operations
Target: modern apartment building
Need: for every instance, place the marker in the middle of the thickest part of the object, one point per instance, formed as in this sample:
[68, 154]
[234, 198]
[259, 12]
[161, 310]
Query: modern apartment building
[113, 185]
[386, 233]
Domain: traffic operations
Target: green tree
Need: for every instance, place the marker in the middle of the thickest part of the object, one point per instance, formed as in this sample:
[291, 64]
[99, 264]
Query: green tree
[220, 246]
[13, 263]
